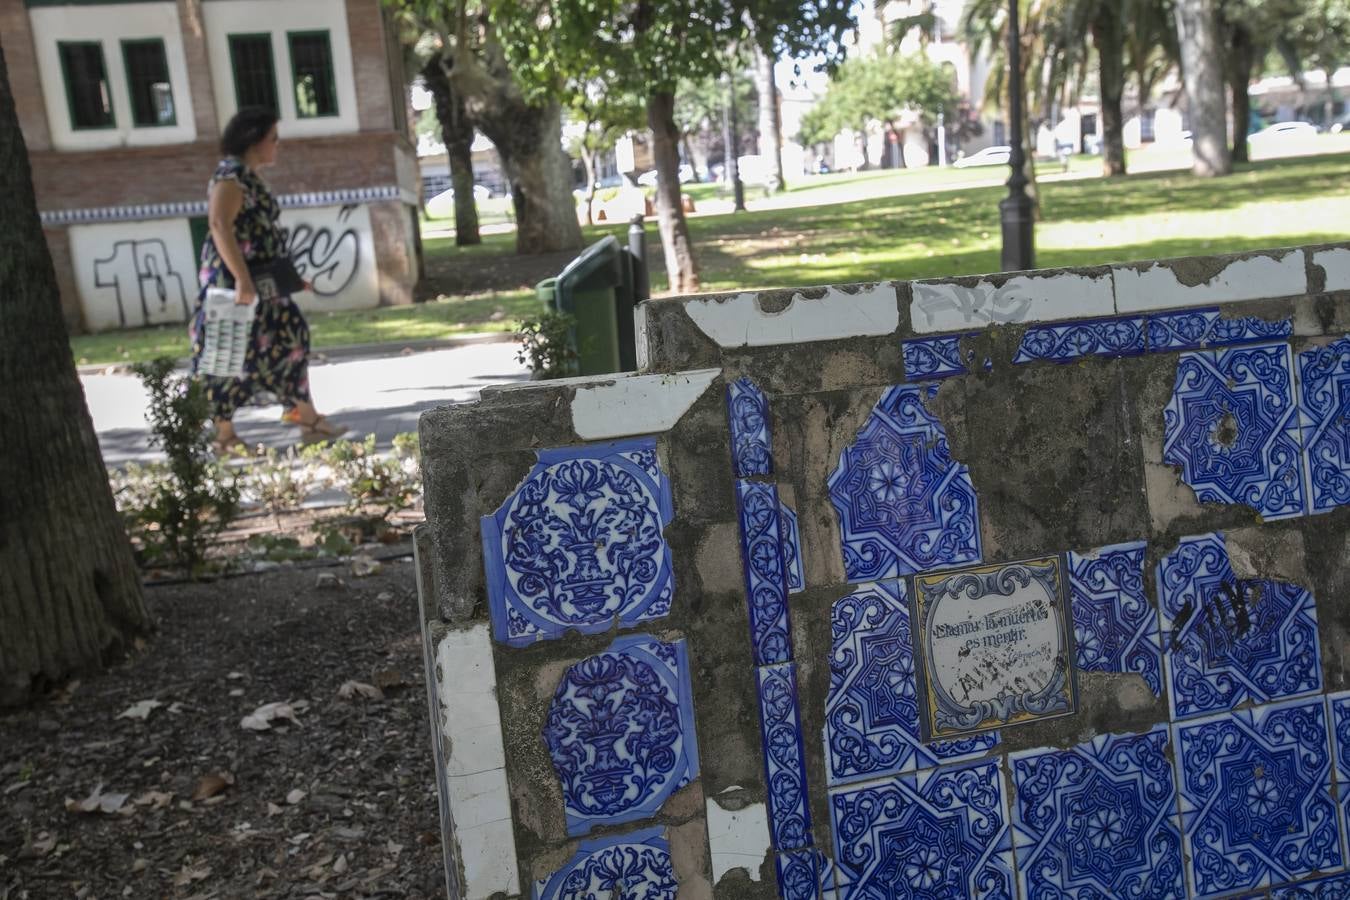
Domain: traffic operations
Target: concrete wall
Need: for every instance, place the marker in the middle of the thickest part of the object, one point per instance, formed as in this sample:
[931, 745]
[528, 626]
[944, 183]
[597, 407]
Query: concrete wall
[1000, 585]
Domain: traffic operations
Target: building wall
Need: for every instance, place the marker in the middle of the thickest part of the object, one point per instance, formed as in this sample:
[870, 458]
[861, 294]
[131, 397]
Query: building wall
[16, 36]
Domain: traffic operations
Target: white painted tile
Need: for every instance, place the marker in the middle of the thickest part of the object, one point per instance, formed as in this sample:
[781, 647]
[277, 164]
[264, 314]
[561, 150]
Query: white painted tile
[946, 306]
[640, 335]
[464, 661]
[488, 853]
[1157, 286]
[1336, 263]
[737, 838]
[738, 321]
[476, 798]
[636, 404]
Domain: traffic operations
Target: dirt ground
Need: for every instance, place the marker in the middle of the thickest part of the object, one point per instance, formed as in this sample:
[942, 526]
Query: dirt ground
[105, 795]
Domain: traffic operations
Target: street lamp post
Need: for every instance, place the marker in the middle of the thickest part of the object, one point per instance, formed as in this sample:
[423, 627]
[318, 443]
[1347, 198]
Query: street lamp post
[1015, 210]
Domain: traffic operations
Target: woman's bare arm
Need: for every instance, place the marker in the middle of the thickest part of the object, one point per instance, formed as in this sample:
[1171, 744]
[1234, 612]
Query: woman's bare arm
[226, 200]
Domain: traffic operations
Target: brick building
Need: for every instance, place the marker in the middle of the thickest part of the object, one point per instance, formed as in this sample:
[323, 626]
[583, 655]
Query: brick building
[122, 105]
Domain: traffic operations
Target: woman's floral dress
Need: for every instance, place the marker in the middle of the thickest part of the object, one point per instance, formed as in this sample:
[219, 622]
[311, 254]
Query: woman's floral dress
[277, 358]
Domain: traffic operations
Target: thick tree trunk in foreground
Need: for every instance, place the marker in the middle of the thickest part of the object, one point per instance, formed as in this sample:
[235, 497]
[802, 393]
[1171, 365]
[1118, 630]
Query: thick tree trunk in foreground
[529, 140]
[457, 135]
[770, 119]
[1202, 72]
[1108, 36]
[70, 595]
[1240, 61]
[681, 267]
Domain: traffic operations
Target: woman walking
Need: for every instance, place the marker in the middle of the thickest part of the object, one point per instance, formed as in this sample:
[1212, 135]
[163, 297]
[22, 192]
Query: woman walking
[242, 214]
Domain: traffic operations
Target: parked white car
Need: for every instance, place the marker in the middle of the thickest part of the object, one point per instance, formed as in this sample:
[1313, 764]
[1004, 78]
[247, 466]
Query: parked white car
[990, 156]
[1284, 131]
[648, 179]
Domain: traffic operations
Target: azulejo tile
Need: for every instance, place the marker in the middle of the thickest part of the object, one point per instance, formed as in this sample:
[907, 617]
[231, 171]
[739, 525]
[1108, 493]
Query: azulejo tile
[1331, 887]
[1227, 640]
[904, 504]
[872, 711]
[1066, 342]
[1324, 420]
[1340, 745]
[938, 833]
[748, 413]
[622, 865]
[800, 873]
[579, 543]
[620, 732]
[1115, 628]
[1255, 797]
[766, 576]
[1247, 330]
[1098, 821]
[936, 357]
[792, 548]
[993, 647]
[1231, 426]
[1185, 329]
[784, 758]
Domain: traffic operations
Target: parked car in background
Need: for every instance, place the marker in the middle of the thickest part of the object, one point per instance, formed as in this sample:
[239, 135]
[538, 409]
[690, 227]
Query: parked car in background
[1284, 131]
[648, 179]
[990, 156]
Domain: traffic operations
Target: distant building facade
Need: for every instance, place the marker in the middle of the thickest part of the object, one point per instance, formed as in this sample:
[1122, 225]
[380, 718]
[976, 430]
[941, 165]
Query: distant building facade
[122, 106]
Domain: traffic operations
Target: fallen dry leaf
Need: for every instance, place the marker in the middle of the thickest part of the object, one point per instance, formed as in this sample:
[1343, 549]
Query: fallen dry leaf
[295, 796]
[273, 809]
[340, 866]
[210, 785]
[141, 710]
[157, 799]
[364, 565]
[139, 865]
[350, 689]
[97, 802]
[261, 719]
[189, 874]
[388, 679]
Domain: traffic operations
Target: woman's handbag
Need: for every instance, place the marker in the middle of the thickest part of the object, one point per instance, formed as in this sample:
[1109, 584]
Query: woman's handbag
[227, 328]
[276, 278]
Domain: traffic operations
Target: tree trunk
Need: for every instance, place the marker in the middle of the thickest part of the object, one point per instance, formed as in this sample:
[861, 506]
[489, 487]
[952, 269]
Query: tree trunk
[1240, 61]
[681, 267]
[862, 145]
[457, 135]
[529, 140]
[1202, 72]
[588, 162]
[770, 119]
[70, 595]
[1108, 36]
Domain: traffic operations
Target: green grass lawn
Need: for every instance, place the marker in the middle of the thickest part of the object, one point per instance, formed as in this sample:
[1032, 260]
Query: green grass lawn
[893, 232]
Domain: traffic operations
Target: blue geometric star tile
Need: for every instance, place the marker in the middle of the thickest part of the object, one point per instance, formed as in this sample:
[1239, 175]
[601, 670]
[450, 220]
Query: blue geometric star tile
[579, 543]
[1229, 641]
[1183, 330]
[636, 864]
[748, 413]
[766, 577]
[1115, 627]
[792, 548]
[1098, 821]
[872, 713]
[904, 504]
[1231, 426]
[1256, 801]
[1332, 887]
[1340, 746]
[800, 873]
[941, 833]
[936, 357]
[784, 758]
[1116, 336]
[1324, 419]
[620, 732]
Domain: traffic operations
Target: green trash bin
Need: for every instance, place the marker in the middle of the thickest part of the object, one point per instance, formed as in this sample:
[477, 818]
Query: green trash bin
[592, 289]
[544, 290]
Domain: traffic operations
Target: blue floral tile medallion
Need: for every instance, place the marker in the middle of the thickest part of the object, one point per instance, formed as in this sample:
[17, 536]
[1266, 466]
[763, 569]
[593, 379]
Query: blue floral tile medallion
[872, 711]
[1098, 821]
[994, 647]
[784, 757]
[1324, 419]
[622, 865]
[579, 543]
[1115, 628]
[620, 732]
[800, 873]
[904, 504]
[941, 833]
[1255, 797]
[748, 413]
[1228, 641]
[1231, 425]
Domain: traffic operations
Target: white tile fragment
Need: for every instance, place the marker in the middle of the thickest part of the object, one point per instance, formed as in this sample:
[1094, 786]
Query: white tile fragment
[1336, 263]
[737, 838]
[738, 321]
[636, 404]
[1156, 286]
[947, 306]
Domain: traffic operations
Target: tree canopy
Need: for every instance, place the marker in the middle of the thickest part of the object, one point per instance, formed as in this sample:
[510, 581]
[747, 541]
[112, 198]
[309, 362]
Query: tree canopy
[883, 88]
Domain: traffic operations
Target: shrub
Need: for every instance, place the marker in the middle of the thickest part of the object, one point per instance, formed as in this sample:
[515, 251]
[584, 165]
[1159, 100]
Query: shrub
[356, 469]
[279, 481]
[546, 345]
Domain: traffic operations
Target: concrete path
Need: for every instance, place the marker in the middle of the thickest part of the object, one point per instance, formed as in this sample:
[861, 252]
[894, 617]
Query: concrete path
[379, 394]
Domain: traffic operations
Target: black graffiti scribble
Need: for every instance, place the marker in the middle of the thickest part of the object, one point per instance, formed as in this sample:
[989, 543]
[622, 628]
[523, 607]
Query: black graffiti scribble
[141, 269]
[326, 258]
[1227, 613]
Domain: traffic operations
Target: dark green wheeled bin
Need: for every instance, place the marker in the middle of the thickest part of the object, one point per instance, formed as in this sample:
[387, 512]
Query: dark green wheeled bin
[596, 289]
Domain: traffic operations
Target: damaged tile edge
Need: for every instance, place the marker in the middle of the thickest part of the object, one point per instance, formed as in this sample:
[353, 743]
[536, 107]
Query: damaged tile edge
[636, 404]
[738, 838]
[1154, 284]
[1335, 265]
[1038, 295]
[739, 320]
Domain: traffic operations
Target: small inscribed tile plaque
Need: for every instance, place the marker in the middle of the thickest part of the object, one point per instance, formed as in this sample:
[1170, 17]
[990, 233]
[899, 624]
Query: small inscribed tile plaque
[995, 647]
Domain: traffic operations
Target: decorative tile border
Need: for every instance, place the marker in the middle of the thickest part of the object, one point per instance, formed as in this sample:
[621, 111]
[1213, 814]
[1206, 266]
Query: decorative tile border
[800, 874]
[751, 445]
[1324, 424]
[1108, 337]
[187, 209]
[1115, 627]
[765, 573]
[629, 865]
[784, 756]
[579, 543]
[792, 548]
[936, 357]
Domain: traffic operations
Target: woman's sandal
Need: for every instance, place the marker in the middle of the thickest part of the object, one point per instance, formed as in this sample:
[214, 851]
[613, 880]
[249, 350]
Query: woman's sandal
[320, 430]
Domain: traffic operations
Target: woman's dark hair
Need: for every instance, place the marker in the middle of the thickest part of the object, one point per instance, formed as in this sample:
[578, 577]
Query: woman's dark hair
[249, 126]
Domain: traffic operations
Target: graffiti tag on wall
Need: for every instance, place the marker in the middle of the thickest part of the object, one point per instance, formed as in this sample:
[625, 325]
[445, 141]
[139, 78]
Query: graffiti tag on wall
[328, 258]
[140, 272]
